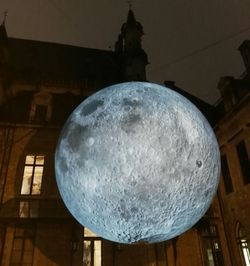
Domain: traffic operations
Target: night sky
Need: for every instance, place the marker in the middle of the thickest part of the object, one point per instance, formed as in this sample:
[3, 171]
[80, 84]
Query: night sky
[192, 42]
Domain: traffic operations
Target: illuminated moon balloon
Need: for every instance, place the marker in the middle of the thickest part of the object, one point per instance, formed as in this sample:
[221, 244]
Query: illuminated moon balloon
[137, 162]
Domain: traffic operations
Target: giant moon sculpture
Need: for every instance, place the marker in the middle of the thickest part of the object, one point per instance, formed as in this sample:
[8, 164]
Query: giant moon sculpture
[137, 162]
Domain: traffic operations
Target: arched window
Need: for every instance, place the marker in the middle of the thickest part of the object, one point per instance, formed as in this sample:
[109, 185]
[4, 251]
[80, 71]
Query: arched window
[243, 244]
[211, 246]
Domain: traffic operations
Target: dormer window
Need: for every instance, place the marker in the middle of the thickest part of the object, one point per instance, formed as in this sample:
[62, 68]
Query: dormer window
[40, 113]
[41, 107]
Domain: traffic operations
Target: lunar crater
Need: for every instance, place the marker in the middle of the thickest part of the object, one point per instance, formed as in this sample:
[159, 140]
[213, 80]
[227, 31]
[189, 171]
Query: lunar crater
[134, 102]
[130, 122]
[199, 163]
[76, 136]
[137, 162]
[91, 107]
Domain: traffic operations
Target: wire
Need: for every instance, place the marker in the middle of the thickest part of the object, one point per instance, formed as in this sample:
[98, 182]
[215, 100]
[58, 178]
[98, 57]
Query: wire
[166, 65]
[182, 58]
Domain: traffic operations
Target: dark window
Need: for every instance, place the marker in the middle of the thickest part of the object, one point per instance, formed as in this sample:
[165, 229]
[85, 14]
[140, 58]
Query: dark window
[23, 246]
[40, 113]
[226, 175]
[246, 55]
[244, 161]
[211, 246]
[92, 249]
[63, 105]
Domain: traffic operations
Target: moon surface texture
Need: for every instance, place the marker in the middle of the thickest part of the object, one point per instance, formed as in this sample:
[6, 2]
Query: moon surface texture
[137, 162]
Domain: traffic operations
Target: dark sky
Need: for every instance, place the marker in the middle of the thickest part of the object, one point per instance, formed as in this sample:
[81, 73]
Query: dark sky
[190, 42]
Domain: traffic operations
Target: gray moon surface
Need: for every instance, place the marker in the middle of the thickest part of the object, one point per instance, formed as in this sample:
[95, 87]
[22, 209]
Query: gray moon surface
[137, 162]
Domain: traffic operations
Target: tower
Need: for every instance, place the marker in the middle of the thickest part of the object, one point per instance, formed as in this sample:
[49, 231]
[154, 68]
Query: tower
[4, 62]
[134, 58]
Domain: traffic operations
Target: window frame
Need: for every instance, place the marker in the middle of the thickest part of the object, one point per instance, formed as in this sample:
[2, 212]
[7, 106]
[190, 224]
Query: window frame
[34, 166]
[226, 177]
[243, 160]
[210, 235]
[92, 239]
[243, 244]
[40, 113]
[23, 234]
[42, 98]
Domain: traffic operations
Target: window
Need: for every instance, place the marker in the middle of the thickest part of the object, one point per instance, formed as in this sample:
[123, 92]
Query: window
[23, 246]
[243, 245]
[32, 175]
[28, 209]
[226, 175]
[41, 107]
[40, 113]
[244, 161]
[211, 246]
[92, 249]
[245, 55]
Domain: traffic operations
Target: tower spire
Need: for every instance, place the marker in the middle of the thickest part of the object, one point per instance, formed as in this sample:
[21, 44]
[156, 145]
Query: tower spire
[4, 16]
[132, 31]
[129, 45]
[3, 33]
[130, 4]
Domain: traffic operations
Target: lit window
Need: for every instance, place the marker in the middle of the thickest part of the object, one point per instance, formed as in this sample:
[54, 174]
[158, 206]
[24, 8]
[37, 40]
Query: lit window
[28, 209]
[32, 175]
[226, 175]
[211, 246]
[92, 249]
[244, 161]
[243, 246]
[23, 247]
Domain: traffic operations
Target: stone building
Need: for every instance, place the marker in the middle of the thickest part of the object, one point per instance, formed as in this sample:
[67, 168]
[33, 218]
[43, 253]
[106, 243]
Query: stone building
[40, 84]
[233, 134]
